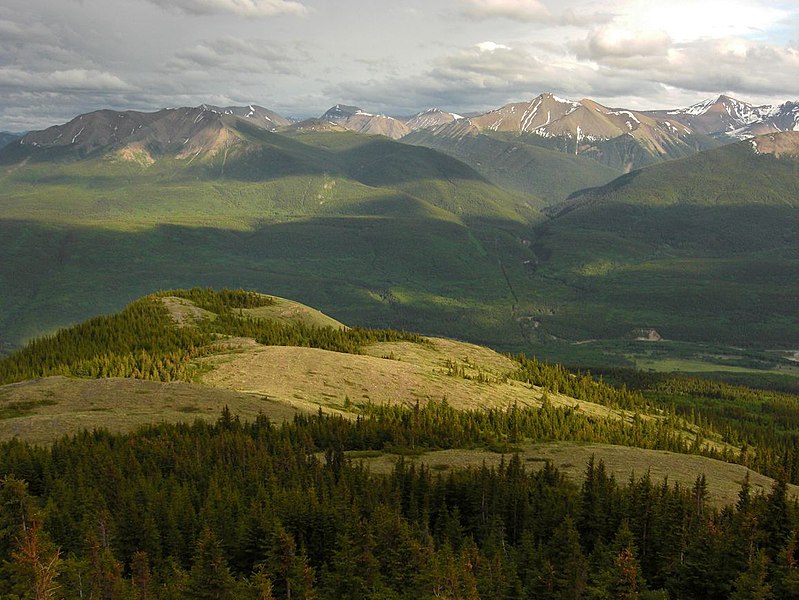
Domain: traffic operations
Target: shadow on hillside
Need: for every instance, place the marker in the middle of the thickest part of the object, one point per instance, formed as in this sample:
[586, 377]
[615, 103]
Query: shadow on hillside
[418, 274]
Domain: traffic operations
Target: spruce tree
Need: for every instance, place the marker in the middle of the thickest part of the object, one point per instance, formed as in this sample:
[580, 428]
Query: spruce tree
[210, 576]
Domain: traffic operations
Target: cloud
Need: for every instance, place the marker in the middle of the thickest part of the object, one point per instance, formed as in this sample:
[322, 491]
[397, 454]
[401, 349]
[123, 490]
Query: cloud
[476, 79]
[239, 55]
[523, 10]
[618, 42]
[65, 80]
[491, 46]
[240, 8]
[732, 64]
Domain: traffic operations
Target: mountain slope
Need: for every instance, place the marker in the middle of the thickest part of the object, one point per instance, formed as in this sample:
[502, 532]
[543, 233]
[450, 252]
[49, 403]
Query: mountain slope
[621, 139]
[355, 119]
[512, 162]
[359, 225]
[726, 116]
[703, 249]
[180, 131]
[432, 117]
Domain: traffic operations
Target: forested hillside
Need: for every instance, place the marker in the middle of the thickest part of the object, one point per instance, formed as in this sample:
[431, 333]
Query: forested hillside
[292, 509]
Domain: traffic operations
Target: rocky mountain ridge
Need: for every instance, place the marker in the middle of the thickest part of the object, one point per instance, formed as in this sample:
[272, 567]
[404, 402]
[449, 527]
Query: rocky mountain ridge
[621, 138]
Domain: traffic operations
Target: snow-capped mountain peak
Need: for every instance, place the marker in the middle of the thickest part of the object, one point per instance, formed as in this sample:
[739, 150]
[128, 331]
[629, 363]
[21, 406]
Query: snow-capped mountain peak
[432, 117]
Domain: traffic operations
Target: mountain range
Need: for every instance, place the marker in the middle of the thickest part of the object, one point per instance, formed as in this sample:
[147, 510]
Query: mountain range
[531, 224]
[364, 460]
[617, 138]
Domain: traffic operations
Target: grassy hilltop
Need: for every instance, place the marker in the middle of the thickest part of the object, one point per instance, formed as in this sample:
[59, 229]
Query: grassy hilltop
[186, 354]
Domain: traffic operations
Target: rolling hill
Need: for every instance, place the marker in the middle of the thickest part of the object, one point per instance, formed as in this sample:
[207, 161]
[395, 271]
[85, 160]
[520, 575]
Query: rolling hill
[239, 423]
[276, 378]
[188, 354]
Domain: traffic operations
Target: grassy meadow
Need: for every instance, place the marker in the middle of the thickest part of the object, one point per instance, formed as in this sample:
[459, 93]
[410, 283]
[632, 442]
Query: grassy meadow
[723, 479]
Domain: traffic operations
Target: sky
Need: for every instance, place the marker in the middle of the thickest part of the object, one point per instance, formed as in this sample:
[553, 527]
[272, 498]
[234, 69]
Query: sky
[61, 58]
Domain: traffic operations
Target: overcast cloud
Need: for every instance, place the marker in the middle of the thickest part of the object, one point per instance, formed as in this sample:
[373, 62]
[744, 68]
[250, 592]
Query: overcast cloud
[298, 57]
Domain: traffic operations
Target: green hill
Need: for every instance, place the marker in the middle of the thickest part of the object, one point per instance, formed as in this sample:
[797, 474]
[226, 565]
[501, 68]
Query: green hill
[703, 249]
[186, 354]
[262, 353]
[232, 433]
[366, 228]
[518, 162]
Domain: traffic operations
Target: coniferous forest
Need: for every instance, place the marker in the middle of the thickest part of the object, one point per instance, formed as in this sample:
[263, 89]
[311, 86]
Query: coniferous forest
[257, 510]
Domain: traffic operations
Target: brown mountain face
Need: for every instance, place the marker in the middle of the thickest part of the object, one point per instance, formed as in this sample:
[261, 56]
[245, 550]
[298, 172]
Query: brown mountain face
[726, 116]
[455, 130]
[526, 117]
[317, 125]
[431, 118]
[140, 136]
[354, 119]
[260, 116]
[623, 139]
[785, 143]
[549, 116]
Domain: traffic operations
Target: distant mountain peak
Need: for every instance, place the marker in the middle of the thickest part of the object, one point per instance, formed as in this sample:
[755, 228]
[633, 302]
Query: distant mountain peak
[432, 117]
[727, 116]
[340, 111]
[357, 119]
[175, 131]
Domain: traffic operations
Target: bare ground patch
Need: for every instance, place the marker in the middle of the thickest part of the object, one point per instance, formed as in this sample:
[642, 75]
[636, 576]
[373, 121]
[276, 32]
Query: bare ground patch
[285, 310]
[185, 312]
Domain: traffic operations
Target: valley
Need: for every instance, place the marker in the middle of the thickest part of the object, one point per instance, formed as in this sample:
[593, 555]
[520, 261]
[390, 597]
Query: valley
[529, 248]
[451, 300]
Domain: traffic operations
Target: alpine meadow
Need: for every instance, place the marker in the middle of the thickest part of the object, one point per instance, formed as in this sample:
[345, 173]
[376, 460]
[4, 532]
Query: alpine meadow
[462, 299]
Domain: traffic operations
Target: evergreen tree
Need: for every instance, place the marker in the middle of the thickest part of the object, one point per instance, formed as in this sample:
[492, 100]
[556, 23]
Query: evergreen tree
[570, 567]
[210, 576]
[751, 584]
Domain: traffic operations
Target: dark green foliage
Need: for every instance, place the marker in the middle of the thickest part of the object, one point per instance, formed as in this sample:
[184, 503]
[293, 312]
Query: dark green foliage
[140, 341]
[763, 422]
[144, 342]
[222, 301]
[752, 584]
[702, 249]
[210, 576]
[249, 510]
[558, 379]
